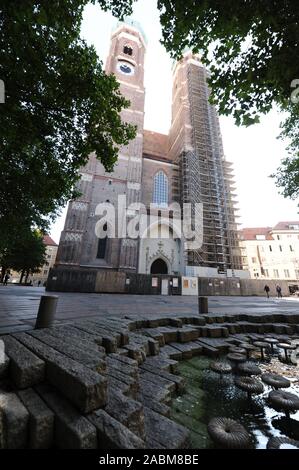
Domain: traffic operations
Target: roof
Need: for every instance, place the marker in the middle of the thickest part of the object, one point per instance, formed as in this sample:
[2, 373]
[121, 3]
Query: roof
[251, 233]
[285, 225]
[128, 21]
[155, 144]
[49, 241]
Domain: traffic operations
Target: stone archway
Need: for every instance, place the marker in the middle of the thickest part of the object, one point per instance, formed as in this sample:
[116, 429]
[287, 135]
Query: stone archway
[159, 266]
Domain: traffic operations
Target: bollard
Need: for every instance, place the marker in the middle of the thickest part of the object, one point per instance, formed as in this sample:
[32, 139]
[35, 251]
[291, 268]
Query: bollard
[203, 305]
[46, 311]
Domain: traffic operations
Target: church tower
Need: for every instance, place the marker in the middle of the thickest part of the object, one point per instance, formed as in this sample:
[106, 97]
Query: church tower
[79, 246]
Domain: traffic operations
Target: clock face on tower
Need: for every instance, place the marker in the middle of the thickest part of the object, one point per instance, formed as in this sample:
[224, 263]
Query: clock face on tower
[125, 67]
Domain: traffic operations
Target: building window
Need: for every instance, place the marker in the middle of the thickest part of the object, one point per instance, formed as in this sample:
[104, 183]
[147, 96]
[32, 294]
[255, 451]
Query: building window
[266, 273]
[276, 273]
[253, 260]
[291, 248]
[278, 237]
[297, 273]
[45, 271]
[102, 245]
[270, 247]
[286, 273]
[160, 195]
[128, 50]
[280, 248]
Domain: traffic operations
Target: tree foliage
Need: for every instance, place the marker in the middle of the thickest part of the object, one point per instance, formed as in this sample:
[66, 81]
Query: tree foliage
[26, 254]
[59, 107]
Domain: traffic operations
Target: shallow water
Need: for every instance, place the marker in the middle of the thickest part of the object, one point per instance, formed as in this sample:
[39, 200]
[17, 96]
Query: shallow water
[208, 396]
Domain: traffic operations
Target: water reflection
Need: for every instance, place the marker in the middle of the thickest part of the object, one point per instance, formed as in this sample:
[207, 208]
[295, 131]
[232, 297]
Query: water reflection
[208, 395]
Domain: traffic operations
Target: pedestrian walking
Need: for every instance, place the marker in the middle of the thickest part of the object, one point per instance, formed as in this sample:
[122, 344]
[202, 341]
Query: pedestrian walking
[278, 290]
[267, 290]
[6, 279]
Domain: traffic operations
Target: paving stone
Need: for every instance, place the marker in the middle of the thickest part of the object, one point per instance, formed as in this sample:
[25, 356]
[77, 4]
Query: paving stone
[150, 389]
[179, 381]
[186, 348]
[127, 411]
[136, 352]
[88, 358]
[112, 434]
[152, 403]
[114, 361]
[125, 360]
[108, 341]
[163, 363]
[41, 420]
[130, 382]
[154, 323]
[178, 322]
[26, 369]
[14, 420]
[155, 334]
[72, 430]
[216, 343]
[114, 328]
[185, 335]
[4, 367]
[170, 334]
[79, 338]
[208, 350]
[85, 388]
[120, 386]
[158, 380]
[171, 352]
[165, 431]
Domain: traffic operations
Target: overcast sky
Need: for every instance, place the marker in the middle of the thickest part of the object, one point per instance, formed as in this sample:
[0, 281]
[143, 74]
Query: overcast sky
[255, 151]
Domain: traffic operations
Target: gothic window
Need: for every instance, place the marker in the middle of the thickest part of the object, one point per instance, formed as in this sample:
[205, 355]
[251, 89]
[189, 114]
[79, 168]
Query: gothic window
[128, 50]
[102, 245]
[160, 195]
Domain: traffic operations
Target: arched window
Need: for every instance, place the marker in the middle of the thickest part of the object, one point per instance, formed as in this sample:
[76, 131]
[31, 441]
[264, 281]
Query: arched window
[128, 50]
[160, 195]
[102, 245]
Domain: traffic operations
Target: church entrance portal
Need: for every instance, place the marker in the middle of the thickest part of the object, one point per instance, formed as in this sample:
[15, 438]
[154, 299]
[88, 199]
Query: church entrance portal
[159, 267]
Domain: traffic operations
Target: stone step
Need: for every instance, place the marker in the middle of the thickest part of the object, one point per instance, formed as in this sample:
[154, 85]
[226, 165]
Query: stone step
[188, 350]
[4, 366]
[112, 434]
[78, 338]
[26, 369]
[85, 388]
[14, 422]
[91, 359]
[41, 420]
[171, 352]
[176, 379]
[127, 411]
[165, 432]
[72, 430]
[207, 349]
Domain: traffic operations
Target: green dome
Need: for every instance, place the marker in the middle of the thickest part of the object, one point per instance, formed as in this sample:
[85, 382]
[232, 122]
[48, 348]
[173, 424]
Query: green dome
[129, 21]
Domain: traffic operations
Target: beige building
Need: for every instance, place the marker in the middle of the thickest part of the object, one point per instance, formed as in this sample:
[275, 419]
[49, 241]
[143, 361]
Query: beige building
[42, 275]
[272, 252]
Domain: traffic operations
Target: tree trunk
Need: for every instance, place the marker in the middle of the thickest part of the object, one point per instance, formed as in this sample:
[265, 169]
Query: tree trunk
[3, 271]
[22, 275]
[26, 278]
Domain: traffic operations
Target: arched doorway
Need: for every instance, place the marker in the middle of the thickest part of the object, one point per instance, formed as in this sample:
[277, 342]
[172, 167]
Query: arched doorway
[159, 267]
